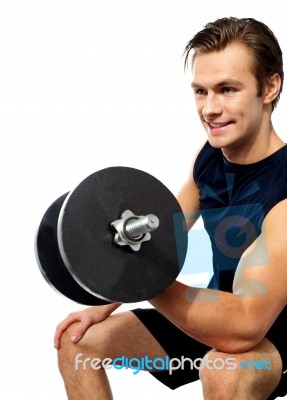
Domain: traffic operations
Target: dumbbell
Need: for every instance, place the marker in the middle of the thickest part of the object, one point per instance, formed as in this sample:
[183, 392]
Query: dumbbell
[119, 236]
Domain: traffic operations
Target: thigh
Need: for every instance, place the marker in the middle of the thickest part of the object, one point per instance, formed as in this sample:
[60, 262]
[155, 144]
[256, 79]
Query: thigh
[121, 334]
[256, 372]
[181, 349]
[138, 334]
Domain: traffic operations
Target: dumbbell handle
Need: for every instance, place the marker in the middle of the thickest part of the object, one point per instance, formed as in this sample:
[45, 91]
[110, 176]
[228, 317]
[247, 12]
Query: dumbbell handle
[140, 226]
[132, 230]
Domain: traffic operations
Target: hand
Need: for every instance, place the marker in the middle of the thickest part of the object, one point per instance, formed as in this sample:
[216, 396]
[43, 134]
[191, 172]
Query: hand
[87, 317]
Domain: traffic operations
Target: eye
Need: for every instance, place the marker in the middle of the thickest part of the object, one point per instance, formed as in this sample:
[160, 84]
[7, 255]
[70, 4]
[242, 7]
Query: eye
[228, 90]
[199, 91]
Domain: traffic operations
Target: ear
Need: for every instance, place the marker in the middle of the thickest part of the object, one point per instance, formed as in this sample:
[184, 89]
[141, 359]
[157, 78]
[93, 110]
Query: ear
[272, 88]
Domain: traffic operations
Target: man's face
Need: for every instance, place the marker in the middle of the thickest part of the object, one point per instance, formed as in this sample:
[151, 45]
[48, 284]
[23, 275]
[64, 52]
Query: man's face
[226, 97]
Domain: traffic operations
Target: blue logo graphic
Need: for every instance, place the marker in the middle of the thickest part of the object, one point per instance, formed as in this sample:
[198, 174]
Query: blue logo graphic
[229, 229]
[258, 365]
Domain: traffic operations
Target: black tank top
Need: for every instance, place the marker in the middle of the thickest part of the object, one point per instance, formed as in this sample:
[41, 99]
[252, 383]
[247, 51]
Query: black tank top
[234, 200]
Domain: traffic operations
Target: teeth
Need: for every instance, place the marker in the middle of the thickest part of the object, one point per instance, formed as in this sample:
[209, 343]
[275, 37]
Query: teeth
[217, 125]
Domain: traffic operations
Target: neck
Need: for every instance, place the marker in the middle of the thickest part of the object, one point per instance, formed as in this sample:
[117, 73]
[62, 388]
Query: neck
[256, 149]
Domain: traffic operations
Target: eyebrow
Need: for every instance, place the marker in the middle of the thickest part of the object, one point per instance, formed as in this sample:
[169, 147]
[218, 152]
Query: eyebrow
[225, 82]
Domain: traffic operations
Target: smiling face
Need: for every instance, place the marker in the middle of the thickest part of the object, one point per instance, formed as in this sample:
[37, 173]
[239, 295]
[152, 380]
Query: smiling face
[226, 96]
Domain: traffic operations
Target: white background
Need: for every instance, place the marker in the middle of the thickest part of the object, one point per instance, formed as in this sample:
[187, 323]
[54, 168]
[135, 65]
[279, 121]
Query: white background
[87, 84]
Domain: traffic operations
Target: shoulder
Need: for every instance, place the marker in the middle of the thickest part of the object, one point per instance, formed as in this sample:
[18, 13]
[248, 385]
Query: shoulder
[206, 155]
[276, 220]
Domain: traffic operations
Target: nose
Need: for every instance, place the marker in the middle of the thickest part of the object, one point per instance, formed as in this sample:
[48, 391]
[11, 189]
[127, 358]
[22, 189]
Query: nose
[212, 106]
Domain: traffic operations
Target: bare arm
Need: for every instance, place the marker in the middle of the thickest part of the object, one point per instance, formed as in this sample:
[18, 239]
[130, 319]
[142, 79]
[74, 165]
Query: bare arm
[235, 322]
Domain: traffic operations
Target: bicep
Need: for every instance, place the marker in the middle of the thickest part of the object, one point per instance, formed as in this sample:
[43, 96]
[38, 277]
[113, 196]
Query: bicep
[261, 276]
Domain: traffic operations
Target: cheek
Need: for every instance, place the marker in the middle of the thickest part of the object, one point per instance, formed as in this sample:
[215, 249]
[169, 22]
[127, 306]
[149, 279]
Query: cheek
[245, 108]
[251, 120]
[254, 112]
[199, 107]
[235, 106]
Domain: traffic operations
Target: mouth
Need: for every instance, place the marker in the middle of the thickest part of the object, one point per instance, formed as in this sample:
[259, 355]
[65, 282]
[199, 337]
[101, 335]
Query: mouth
[217, 127]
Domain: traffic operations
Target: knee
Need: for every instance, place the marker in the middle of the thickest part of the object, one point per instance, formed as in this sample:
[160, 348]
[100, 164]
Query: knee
[94, 344]
[218, 374]
[68, 349]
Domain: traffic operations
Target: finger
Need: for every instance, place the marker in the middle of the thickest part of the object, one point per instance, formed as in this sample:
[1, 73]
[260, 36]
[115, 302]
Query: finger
[81, 330]
[61, 329]
[57, 338]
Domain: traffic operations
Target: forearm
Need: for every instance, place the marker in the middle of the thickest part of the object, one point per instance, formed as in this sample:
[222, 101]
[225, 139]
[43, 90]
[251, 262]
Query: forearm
[218, 319]
[110, 308]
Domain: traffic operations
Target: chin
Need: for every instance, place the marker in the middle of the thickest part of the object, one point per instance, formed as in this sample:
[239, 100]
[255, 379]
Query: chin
[216, 143]
[221, 142]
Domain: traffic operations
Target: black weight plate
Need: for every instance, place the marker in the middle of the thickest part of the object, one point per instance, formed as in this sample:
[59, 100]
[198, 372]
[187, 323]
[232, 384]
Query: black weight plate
[50, 261]
[85, 235]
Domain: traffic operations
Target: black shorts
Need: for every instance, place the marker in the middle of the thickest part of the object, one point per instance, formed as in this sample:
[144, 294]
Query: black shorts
[177, 344]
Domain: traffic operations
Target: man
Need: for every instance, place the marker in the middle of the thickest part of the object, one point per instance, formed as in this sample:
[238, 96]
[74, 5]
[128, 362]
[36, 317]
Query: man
[239, 184]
